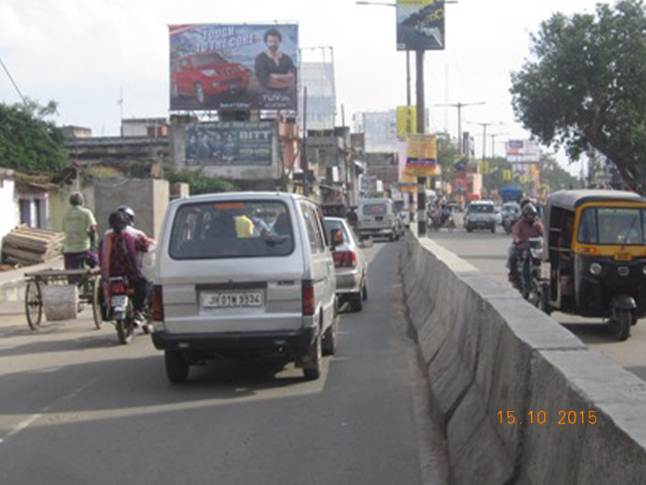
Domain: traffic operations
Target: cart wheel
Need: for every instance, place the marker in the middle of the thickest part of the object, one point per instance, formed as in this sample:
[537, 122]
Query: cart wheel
[33, 305]
[96, 303]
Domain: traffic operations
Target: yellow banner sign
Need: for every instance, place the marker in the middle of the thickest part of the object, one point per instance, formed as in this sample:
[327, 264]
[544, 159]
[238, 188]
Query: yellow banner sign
[406, 121]
[421, 156]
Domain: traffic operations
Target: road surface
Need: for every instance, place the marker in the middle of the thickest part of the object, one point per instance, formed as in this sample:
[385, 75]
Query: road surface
[77, 408]
[488, 253]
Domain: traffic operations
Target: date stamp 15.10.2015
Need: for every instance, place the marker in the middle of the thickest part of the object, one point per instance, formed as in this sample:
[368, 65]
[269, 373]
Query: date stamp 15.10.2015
[540, 417]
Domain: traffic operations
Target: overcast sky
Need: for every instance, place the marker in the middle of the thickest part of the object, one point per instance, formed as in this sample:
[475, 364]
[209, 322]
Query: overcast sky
[81, 52]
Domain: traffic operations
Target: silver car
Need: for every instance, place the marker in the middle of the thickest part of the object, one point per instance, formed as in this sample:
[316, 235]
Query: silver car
[244, 273]
[350, 262]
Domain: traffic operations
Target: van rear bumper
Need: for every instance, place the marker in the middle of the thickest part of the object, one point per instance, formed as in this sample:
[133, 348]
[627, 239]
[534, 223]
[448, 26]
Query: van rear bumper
[296, 342]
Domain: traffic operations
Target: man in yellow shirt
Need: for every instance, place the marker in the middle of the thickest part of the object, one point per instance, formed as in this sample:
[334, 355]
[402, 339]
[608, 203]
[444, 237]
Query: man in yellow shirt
[79, 227]
[244, 227]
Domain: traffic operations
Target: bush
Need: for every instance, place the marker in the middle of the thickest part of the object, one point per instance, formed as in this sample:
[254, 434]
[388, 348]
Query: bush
[200, 183]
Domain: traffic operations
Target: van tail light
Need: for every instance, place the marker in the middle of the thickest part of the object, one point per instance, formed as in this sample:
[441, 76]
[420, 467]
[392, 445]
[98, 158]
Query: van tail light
[157, 304]
[345, 259]
[309, 302]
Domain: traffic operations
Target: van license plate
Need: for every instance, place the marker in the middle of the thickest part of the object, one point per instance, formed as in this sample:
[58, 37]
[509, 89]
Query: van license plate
[232, 299]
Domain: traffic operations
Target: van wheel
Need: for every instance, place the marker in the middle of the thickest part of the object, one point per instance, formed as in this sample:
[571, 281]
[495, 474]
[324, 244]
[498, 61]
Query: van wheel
[391, 238]
[356, 302]
[329, 339]
[469, 229]
[493, 229]
[315, 358]
[364, 292]
[176, 366]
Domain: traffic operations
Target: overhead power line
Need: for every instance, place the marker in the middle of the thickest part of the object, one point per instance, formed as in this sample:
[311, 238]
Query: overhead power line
[13, 82]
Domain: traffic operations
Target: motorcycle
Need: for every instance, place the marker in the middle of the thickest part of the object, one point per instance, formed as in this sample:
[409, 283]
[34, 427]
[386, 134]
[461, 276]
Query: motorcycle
[121, 309]
[528, 278]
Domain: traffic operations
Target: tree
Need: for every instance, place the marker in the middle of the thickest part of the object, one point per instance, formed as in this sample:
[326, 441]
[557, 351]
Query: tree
[586, 86]
[447, 155]
[555, 176]
[28, 142]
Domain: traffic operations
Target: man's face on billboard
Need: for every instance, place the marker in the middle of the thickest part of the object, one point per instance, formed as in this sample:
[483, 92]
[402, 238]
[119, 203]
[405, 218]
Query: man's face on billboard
[273, 43]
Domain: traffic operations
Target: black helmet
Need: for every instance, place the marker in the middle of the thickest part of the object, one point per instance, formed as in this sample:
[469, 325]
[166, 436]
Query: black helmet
[529, 210]
[128, 212]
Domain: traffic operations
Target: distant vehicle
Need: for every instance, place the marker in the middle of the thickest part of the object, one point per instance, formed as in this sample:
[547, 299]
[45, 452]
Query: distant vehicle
[480, 215]
[232, 282]
[377, 219]
[350, 264]
[510, 215]
[510, 193]
[203, 75]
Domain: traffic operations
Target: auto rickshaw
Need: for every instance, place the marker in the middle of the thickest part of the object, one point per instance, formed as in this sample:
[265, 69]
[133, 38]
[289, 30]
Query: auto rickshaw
[596, 250]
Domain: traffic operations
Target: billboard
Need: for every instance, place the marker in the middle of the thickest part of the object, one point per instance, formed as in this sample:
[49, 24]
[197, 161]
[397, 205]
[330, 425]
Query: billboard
[380, 130]
[321, 95]
[406, 121]
[523, 151]
[231, 144]
[421, 156]
[233, 67]
[420, 25]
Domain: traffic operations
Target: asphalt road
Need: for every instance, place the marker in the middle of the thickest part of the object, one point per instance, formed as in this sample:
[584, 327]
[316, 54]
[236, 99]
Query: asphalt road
[77, 408]
[488, 252]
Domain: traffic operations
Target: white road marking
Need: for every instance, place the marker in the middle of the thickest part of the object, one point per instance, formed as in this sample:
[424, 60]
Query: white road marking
[35, 417]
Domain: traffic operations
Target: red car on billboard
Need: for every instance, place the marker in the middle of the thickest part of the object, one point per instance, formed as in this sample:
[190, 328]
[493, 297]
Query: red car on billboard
[203, 75]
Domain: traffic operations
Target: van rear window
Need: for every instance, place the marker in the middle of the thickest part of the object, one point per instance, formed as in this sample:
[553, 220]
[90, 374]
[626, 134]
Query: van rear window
[375, 209]
[232, 229]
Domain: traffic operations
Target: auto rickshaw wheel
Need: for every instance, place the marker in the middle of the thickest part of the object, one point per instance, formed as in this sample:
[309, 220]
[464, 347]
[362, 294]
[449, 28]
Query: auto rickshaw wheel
[621, 323]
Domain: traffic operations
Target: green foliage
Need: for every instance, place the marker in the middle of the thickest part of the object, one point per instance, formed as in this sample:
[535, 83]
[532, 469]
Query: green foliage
[199, 183]
[28, 142]
[447, 155]
[586, 85]
[555, 176]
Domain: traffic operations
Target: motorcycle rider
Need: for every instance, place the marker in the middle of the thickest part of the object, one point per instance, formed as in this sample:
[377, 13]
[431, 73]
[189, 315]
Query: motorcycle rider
[527, 227]
[121, 252]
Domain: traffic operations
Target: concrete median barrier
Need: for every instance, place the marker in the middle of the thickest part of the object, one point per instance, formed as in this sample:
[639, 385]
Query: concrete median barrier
[502, 375]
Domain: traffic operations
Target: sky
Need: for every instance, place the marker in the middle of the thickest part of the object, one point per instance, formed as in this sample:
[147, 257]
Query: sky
[81, 53]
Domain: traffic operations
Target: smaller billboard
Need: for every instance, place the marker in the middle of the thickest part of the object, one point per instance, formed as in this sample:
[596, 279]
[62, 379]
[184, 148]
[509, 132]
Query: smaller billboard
[406, 121]
[523, 151]
[421, 156]
[420, 25]
[231, 144]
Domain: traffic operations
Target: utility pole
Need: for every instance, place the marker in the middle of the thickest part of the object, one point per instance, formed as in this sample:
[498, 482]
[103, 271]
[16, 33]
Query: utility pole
[305, 164]
[421, 129]
[348, 178]
[459, 106]
[484, 135]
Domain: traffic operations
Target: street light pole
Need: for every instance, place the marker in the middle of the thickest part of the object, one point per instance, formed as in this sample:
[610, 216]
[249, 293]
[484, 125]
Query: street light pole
[421, 129]
[484, 135]
[493, 137]
[459, 106]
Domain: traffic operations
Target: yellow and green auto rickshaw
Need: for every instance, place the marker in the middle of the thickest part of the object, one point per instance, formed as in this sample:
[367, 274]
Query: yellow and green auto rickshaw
[596, 250]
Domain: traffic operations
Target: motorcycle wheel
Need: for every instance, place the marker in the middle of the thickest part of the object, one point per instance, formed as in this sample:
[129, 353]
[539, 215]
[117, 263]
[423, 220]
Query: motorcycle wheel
[621, 323]
[125, 330]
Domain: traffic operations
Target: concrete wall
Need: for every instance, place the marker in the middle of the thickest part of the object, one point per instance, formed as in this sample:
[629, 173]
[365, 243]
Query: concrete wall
[486, 350]
[147, 197]
[8, 209]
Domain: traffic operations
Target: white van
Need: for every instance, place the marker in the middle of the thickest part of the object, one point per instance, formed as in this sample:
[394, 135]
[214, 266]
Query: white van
[377, 218]
[244, 273]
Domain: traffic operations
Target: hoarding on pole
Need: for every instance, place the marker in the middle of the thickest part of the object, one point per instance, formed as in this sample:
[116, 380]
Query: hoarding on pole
[233, 67]
[406, 121]
[421, 156]
[420, 25]
[231, 144]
